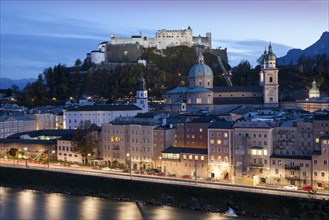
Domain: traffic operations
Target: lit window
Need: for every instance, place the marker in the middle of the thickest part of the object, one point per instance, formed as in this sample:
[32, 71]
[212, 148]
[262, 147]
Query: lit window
[265, 152]
[201, 129]
[219, 141]
[198, 101]
[190, 157]
[225, 135]
[317, 140]
[193, 136]
[202, 157]
[184, 157]
[212, 141]
[196, 157]
[219, 158]
[212, 158]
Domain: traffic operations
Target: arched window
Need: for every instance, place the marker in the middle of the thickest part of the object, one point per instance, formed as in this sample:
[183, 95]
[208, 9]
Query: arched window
[271, 79]
[208, 83]
[226, 159]
[212, 158]
[219, 158]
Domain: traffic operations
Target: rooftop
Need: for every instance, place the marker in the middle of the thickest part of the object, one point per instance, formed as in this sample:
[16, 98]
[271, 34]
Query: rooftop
[180, 150]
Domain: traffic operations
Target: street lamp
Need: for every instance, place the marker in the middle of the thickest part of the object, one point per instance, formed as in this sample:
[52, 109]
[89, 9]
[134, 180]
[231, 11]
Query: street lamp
[25, 150]
[160, 158]
[129, 155]
[88, 157]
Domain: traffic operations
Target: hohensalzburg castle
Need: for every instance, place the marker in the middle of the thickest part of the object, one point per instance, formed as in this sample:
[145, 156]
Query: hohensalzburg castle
[120, 49]
[167, 38]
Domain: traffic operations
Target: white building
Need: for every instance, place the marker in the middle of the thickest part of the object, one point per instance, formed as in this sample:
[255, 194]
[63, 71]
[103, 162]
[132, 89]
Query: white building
[166, 38]
[97, 56]
[97, 114]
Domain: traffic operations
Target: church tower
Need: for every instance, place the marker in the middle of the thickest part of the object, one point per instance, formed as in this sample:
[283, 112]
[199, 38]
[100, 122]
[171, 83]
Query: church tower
[314, 91]
[270, 80]
[141, 95]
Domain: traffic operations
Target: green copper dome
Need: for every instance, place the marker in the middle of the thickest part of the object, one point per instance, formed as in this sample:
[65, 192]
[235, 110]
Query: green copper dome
[200, 69]
[271, 55]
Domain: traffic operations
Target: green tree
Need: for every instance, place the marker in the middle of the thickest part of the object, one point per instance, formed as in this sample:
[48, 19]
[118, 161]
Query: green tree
[86, 140]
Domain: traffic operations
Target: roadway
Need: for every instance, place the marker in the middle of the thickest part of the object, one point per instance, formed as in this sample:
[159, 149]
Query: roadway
[87, 170]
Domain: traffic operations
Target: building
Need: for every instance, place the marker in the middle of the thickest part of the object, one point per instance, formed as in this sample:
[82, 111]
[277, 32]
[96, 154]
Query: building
[129, 141]
[253, 148]
[97, 114]
[320, 160]
[313, 104]
[166, 38]
[188, 162]
[221, 150]
[35, 145]
[13, 124]
[202, 94]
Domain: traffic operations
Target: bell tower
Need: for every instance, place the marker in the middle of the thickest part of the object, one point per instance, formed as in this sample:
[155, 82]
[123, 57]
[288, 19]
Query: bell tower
[270, 80]
[141, 95]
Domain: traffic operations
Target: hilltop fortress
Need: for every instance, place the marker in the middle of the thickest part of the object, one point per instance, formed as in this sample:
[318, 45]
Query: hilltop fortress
[167, 38]
[130, 50]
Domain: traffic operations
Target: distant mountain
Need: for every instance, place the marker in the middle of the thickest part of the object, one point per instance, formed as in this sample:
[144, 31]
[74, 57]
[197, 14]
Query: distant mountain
[6, 83]
[319, 47]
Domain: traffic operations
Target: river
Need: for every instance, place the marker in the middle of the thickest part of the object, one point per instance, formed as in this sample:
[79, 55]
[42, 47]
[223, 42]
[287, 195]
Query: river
[35, 205]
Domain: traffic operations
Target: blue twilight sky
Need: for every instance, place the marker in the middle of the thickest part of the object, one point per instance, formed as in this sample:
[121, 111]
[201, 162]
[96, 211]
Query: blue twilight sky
[40, 34]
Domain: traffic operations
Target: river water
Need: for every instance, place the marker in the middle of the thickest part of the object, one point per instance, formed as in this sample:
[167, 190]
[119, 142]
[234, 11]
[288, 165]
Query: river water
[35, 205]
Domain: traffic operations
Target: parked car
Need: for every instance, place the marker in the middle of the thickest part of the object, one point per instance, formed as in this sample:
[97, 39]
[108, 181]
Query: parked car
[291, 187]
[171, 175]
[309, 189]
[74, 165]
[186, 177]
[106, 168]
[116, 170]
[161, 174]
[272, 185]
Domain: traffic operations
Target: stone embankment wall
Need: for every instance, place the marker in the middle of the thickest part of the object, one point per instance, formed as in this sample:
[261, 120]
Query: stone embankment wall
[208, 200]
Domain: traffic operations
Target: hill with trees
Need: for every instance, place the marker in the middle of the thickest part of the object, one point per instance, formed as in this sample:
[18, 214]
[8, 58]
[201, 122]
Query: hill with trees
[166, 69]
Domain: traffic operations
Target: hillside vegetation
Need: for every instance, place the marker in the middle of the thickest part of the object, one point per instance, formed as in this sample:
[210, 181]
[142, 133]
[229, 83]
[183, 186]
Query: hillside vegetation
[165, 70]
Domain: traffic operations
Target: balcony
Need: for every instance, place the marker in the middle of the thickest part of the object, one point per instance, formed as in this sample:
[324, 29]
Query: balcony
[292, 177]
[291, 167]
[256, 165]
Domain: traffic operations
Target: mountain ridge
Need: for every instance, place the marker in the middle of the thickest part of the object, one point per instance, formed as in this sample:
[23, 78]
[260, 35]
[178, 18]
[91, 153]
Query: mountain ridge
[321, 46]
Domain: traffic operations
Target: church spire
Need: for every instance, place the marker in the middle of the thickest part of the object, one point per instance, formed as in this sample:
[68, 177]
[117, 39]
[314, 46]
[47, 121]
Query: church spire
[200, 58]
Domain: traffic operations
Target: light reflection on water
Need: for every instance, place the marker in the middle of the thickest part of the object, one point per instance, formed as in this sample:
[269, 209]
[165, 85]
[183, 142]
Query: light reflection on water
[35, 205]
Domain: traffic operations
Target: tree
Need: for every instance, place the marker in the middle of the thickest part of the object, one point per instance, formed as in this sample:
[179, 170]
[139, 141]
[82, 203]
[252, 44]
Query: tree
[13, 152]
[86, 140]
[77, 62]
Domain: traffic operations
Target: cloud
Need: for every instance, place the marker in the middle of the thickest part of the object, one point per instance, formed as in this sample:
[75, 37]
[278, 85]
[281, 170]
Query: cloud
[249, 50]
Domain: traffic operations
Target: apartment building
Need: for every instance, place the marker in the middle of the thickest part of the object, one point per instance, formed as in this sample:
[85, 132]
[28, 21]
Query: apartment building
[320, 160]
[221, 149]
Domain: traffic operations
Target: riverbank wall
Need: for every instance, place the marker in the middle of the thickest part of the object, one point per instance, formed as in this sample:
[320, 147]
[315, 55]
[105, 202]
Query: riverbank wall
[196, 198]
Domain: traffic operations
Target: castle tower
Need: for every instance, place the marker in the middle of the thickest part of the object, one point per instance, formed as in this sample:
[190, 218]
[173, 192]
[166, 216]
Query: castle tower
[141, 95]
[314, 91]
[270, 84]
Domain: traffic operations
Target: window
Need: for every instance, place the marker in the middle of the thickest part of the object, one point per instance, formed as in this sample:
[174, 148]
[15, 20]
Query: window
[225, 135]
[190, 157]
[196, 157]
[211, 134]
[212, 158]
[325, 162]
[315, 173]
[276, 171]
[317, 140]
[202, 158]
[271, 79]
[218, 134]
[212, 141]
[218, 149]
[212, 149]
[219, 158]
[304, 173]
[315, 161]
[273, 162]
[265, 152]
[200, 129]
[219, 141]
[323, 174]
[307, 165]
[184, 157]
[198, 101]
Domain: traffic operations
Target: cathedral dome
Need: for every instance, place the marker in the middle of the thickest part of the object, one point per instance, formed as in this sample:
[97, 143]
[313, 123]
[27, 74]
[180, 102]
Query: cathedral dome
[200, 69]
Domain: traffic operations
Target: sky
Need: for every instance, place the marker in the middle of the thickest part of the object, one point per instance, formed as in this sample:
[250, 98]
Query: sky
[39, 34]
